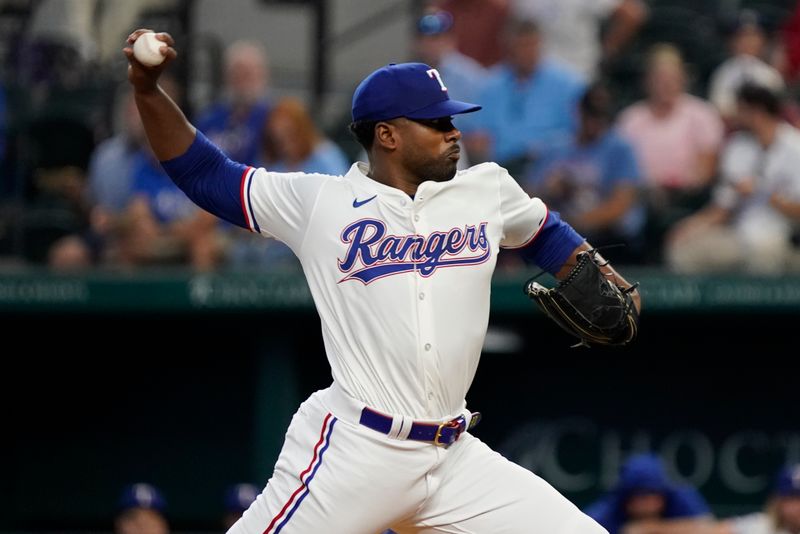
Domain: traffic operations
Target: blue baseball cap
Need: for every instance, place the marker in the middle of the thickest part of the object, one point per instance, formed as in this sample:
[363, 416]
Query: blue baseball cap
[643, 473]
[788, 481]
[435, 23]
[142, 495]
[411, 90]
[239, 497]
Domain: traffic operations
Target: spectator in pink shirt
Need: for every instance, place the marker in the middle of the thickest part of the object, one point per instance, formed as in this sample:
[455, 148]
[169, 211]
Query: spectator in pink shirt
[676, 137]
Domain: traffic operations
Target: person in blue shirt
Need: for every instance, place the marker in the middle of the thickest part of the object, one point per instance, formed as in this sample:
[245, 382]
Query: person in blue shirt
[236, 123]
[528, 103]
[162, 226]
[111, 164]
[593, 179]
[645, 501]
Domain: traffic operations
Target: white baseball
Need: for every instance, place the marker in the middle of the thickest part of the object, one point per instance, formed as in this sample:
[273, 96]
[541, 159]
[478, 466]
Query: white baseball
[147, 49]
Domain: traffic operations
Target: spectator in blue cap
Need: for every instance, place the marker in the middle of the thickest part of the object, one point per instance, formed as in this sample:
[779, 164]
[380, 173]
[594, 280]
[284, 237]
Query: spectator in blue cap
[141, 511]
[435, 44]
[645, 501]
[238, 498]
[781, 514]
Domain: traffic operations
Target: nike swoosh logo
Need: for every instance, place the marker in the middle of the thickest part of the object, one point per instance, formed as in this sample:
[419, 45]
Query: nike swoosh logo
[358, 203]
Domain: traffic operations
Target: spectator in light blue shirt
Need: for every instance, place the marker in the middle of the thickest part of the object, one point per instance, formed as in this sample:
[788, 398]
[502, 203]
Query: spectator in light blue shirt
[112, 163]
[528, 103]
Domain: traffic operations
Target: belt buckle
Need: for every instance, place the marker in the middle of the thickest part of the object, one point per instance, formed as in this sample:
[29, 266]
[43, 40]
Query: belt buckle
[457, 423]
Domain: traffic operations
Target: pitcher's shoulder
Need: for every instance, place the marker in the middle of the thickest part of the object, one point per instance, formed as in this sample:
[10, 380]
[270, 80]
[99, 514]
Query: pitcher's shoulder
[482, 169]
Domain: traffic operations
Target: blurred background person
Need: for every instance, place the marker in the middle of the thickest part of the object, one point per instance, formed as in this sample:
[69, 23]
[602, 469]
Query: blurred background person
[677, 137]
[109, 187]
[236, 122]
[478, 27]
[754, 211]
[781, 514]
[435, 45]
[584, 34]
[645, 501]
[238, 498]
[159, 224]
[141, 511]
[593, 180]
[528, 103]
[747, 63]
[111, 165]
[293, 143]
[138, 216]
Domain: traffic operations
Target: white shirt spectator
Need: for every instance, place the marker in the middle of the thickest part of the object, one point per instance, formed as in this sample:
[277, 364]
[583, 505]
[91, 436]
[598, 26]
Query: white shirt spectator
[774, 171]
[733, 73]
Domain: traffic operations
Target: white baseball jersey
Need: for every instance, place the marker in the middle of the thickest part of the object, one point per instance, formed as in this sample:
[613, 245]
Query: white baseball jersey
[401, 285]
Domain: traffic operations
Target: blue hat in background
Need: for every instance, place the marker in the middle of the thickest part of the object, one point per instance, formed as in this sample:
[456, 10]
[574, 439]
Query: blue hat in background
[239, 497]
[643, 473]
[435, 23]
[788, 481]
[142, 495]
[411, 90]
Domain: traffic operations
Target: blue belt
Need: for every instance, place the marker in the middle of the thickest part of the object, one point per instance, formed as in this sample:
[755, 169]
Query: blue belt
[442, 435]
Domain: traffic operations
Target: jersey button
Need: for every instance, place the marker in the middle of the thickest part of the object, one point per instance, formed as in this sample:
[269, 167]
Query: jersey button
[422, 296]
[430, 395]
[427, 346]
[416, 217]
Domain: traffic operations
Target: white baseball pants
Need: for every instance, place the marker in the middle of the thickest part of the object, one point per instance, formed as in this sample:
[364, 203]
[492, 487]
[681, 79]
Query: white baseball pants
[335, 476]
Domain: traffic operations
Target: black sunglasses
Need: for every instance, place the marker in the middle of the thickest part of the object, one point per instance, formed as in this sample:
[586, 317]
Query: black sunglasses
[441, 124]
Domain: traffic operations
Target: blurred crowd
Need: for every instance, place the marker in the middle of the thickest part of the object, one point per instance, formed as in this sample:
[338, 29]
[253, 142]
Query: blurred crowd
[142, 508]
[688, 170]
[644, 500]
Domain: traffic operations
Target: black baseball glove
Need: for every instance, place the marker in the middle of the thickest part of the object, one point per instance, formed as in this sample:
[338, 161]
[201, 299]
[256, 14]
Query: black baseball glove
[588, 305]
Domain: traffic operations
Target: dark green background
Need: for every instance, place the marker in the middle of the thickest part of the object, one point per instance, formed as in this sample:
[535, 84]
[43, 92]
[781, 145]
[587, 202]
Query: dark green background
[195, 398]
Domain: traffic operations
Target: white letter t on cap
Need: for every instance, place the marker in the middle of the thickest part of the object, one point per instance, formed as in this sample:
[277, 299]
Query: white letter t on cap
[433, 73]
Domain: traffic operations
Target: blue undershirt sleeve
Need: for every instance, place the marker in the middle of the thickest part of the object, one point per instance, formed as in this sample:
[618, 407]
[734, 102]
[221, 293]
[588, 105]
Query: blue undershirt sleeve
[210, 179]
[554, 244]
